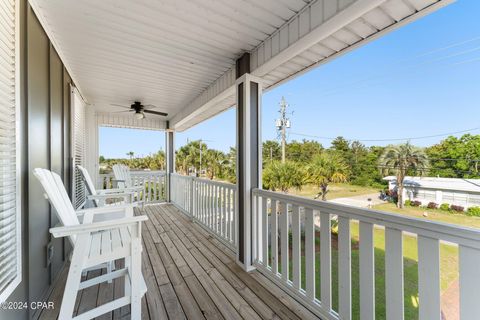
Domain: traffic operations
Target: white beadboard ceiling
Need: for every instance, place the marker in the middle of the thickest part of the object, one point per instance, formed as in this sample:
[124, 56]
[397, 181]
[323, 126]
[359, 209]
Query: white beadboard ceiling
[180, 54]
[164, 52]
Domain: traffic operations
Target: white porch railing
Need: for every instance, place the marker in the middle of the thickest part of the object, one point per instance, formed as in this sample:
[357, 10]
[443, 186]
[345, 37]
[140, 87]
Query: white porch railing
[153, 181]
[291, 261]
[210, 203]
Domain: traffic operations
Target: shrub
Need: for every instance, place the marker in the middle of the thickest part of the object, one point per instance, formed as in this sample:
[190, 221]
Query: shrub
[457, 208]
[432, 205]
[408, 202]
[416, 203]
[473, 211]
[445, 207]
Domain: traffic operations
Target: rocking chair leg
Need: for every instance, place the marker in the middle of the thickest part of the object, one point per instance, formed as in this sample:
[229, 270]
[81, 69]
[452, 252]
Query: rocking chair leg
[127, 280]
[135, 274]
[74, 277]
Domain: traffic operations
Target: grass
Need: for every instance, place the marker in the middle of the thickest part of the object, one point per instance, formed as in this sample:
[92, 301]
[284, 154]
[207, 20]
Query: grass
[336, 190]
[433, 215]
[448, 272]
[448, 253]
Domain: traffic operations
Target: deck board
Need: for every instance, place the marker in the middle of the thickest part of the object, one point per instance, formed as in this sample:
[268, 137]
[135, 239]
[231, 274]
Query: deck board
[190, 274]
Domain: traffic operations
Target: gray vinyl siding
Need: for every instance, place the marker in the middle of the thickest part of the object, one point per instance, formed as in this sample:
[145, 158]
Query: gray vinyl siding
[45, 142]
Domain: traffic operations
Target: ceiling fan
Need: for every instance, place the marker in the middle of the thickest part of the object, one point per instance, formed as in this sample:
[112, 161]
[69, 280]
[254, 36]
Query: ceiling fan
[140, 109]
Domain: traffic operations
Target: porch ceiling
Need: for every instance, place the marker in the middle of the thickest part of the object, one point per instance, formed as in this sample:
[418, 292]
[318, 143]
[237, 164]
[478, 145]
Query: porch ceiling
[180, 54]
[159, 52]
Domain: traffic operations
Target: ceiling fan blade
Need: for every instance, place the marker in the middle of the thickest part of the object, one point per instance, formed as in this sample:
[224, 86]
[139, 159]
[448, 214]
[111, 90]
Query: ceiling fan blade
[121, 111]
[149, 106]
[158, 113]
[119, 105]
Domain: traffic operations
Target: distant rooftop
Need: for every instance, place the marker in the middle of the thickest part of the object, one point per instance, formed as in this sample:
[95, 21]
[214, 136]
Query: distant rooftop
[458, 184]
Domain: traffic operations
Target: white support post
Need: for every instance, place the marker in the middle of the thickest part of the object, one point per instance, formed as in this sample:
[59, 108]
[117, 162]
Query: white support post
[249, 162]
[170, 159]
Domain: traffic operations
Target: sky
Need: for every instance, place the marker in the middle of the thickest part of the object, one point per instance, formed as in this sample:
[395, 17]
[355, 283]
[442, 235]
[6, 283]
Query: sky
[420, 80]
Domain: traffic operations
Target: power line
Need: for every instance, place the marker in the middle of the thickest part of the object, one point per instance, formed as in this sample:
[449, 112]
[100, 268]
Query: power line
[405, 69]
[390, 139]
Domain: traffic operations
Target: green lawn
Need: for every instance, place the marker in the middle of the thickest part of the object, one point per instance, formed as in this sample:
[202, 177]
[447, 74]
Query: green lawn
[432, 214]
[448, 269]
[336, 190]
[448, 253]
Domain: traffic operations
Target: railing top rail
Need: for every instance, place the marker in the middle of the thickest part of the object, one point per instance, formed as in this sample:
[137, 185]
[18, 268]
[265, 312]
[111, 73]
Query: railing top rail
[208, 181]
[137, 173]
[432, 229]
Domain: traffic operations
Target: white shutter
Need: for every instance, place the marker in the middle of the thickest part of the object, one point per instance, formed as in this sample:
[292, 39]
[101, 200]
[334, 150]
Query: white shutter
[10, 245]
[78, 145]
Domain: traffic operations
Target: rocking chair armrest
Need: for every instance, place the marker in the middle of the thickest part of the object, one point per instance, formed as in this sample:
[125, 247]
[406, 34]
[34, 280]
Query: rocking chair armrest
[111, 195]
[134, 188]
[65, 231]
[107, 209]
[113, 191]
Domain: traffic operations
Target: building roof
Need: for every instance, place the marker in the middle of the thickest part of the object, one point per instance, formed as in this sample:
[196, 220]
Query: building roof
[453, 184]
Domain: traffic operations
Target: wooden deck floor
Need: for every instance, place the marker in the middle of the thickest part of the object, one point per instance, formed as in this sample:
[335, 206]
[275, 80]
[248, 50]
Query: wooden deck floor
[189, 275]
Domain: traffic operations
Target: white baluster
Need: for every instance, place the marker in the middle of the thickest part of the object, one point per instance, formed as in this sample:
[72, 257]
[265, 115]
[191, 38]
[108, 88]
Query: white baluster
[367, 272]
[326, 260]
[394, 273]
[344, 269]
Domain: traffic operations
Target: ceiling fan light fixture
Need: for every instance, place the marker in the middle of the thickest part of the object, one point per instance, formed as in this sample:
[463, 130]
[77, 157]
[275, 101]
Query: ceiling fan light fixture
[139, 115]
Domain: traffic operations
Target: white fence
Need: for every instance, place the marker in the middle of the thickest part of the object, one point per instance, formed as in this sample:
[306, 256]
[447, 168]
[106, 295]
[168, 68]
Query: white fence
[154, 183]
[210, 203]
[287, 238]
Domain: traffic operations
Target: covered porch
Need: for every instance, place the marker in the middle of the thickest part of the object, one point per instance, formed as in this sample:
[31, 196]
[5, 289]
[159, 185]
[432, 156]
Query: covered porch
[210, 249]
[190, 274]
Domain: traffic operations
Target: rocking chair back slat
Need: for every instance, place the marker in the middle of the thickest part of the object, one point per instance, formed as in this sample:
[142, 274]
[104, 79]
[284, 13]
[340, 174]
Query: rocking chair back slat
[122, 173]
[88, 181]
[55, 191]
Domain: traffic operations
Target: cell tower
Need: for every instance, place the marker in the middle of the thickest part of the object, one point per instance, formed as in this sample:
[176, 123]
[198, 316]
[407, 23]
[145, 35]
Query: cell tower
[282, 124]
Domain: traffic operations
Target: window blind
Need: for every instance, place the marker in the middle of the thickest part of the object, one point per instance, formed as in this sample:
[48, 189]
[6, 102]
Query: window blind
[10, 246]
[78, 144]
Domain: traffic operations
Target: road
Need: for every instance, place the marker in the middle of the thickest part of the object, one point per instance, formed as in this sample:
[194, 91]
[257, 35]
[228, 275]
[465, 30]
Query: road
[359, 201]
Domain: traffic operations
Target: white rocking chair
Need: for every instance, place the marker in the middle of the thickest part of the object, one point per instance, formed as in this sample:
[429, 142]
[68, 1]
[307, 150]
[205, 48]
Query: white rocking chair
[123, 180]
[99, 197]
[105, 235]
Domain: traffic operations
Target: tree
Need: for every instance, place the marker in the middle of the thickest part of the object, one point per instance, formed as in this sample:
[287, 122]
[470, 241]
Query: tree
[326, 168]
[401, 159]
[303, 151]
[130, 154]
[214, 161]
[340, 144]
[188, 157]
[282, 176]
[271, 150]
[455, 157]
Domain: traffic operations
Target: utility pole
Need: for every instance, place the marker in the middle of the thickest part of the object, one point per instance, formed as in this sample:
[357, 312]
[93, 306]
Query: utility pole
[282, 124]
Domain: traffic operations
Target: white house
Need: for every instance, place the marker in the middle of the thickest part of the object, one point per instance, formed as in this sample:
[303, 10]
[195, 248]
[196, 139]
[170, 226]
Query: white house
[463, 192]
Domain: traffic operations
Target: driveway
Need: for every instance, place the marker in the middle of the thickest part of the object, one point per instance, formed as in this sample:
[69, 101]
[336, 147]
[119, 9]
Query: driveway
[359, 201]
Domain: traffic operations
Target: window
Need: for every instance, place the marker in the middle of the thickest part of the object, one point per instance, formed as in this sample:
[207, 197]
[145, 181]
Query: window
[78, 145]
[10, 213]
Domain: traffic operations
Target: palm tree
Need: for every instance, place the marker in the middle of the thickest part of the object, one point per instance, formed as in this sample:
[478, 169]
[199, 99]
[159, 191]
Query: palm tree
[326, 168]
[282, 176]
[400, 159]
[214, 160]
[130, 154]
